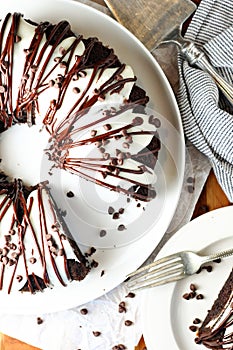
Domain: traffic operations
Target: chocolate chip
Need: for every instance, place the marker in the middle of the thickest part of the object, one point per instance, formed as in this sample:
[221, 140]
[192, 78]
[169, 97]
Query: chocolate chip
[76, 90]
[32, 260]
[192, 295]
[93, 133]
[70, 194]
[196, 321]
[103, 233]
[193, 287]
[84, 311]
[130, 295]
[19, 278]
[190, 188]
[193, 328]
[128, 323]
[111, 210]
[137, 121]
[186, 296]
[122, 307]
[199, 296]
[102, 273]
[107, 127]
[154, 121]
[96, 333]
[102, 149]
[116, 216]
[119, 347]
[121, 227]
[190, 180]
[121, 210]
[39, 320]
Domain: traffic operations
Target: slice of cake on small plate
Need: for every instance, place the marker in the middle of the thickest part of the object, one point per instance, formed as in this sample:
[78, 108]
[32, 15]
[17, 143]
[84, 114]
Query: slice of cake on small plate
[216, 331]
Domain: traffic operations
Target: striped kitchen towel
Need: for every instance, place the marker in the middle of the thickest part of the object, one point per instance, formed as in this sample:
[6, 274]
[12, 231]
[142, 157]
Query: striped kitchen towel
[206, 114]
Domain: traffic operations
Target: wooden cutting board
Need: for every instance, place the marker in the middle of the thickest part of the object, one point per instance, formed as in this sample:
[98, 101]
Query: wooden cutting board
[150, 20]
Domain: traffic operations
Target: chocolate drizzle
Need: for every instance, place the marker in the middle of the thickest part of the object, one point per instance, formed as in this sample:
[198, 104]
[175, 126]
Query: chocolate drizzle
[46, 242]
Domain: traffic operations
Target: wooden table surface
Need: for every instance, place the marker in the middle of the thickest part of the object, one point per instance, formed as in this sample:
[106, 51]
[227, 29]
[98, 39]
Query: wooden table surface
[212, 197]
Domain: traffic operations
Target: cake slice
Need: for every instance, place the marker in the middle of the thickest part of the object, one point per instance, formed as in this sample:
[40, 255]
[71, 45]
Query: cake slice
[36, 249]
[216, 331]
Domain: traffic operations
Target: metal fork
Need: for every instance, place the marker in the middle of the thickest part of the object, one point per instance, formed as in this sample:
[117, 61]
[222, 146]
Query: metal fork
[171, 268]
[196, 57]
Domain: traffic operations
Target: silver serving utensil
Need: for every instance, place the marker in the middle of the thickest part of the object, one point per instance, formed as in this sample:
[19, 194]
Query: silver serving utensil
[170, 268]
[196, 57]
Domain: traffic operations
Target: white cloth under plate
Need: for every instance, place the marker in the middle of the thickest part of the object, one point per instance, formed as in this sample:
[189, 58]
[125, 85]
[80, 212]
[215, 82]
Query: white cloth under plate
[207, 115]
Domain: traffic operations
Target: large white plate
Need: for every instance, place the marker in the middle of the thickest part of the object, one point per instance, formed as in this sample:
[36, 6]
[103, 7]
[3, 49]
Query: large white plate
[166, 314]
[118, 262]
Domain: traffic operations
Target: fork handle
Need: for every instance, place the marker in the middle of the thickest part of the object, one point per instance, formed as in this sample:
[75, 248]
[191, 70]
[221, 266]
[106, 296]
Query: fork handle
[198, 58]
[223, 254]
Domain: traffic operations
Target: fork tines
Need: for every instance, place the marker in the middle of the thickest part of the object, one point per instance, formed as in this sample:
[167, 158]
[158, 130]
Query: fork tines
[162, 271]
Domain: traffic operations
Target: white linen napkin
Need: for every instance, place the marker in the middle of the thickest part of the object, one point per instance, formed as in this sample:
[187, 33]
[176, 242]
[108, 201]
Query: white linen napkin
[207, 115]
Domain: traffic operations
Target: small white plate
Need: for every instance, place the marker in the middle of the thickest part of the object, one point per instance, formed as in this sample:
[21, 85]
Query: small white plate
[167, 316]
[116, 262]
